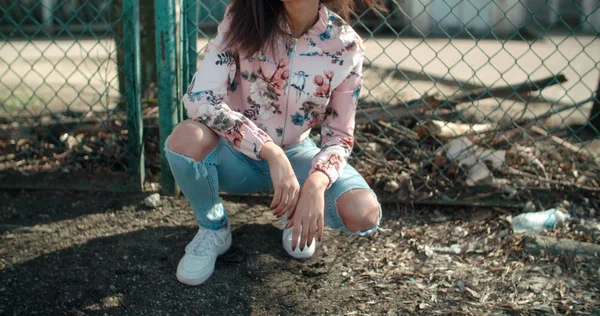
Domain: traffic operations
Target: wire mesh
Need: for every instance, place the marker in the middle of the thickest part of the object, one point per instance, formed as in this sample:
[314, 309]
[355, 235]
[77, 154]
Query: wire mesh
[468, 101]
[62, 110]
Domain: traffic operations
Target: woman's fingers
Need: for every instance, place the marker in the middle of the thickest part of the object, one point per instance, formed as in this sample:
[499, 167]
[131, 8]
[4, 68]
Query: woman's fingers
[276, 198]
[312, 228]
[283, 201]
[296, 234]
[292, 202]
[320, 228]
[289, 201]
[305, 230]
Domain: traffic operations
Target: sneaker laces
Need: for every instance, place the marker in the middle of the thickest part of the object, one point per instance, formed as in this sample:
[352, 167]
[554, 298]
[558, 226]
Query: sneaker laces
[203, 243]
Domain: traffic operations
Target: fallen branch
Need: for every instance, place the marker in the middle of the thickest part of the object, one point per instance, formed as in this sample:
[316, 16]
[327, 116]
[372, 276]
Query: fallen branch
[401, 130]
[557, 246]
[551, 112]
[446, 130]
[529, 154]
[512, 129]
[515, 172]
[565, 144]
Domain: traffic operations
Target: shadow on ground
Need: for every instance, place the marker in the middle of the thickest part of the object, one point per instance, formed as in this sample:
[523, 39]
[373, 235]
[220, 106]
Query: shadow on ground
[135, 273]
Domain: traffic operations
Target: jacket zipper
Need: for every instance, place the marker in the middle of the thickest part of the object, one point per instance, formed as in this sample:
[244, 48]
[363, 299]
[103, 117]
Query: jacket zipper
[287, 95]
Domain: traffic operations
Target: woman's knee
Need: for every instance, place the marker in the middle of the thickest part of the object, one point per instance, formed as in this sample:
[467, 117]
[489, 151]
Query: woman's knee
[192, 139]
[359, 210]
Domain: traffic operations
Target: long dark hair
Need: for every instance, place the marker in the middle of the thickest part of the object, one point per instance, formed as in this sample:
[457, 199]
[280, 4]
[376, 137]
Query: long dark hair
[256, 23]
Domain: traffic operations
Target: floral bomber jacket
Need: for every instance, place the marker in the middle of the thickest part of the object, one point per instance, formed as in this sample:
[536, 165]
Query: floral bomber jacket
[280, 96]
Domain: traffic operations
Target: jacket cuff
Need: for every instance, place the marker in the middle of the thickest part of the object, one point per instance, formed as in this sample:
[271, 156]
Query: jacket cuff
[329, 165]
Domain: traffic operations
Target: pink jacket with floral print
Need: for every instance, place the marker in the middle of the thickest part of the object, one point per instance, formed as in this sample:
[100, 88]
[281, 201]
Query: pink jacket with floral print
[281, 95]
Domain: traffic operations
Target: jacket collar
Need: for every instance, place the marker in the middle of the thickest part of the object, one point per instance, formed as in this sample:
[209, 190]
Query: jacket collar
[318, 28]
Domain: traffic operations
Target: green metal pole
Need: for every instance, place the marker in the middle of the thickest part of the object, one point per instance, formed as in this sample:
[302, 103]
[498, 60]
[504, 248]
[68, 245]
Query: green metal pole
[166, 62]
[133, 95]
[595, 114]
[189, 39]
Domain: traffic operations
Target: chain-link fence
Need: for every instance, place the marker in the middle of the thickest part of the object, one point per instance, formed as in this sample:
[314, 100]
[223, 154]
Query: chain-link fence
[65, 119]
[469, 101]
[462, 100]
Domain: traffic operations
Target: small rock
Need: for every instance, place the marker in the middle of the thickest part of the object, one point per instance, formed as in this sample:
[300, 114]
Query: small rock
[154, 186]
[580, 211]
[79, 138]
[460, 285]
[112, 287]
[152, 201]
[457, 231]
[557, 271]
[374, 147]
[565, 204]
[529, 207]
[69, 140]
[23, 141]
[391, 186]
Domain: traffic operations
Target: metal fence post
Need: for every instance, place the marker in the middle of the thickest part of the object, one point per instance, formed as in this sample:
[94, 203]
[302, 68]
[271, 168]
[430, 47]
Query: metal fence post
[595, 114]
[189, 35]
[166, 61]
[133, 95]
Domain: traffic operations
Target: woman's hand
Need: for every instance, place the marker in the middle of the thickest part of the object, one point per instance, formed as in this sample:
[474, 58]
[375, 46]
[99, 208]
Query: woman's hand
[285, 184]
[308, 217]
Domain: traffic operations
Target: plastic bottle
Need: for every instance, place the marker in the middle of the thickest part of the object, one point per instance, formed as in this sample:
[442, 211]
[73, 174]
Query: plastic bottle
[535, 222]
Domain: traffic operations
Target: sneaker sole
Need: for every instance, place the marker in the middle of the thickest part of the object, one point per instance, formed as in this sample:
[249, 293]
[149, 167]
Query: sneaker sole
[197, 281]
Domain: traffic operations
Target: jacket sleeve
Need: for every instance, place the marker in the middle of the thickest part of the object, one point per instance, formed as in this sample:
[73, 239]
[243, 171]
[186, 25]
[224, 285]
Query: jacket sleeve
[337, 131]
[203, 100]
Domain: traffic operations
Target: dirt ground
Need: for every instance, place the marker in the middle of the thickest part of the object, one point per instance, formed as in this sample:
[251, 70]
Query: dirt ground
[86, 253]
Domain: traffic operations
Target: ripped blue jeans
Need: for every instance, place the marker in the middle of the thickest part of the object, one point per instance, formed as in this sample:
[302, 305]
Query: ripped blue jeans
[227, 170]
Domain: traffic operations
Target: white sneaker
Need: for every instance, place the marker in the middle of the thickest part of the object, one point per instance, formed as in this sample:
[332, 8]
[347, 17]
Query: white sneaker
[298, 254]
[198, 263]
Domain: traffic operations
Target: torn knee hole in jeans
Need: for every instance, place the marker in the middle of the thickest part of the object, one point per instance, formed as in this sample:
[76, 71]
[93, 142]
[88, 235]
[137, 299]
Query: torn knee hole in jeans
[368, 231]
[199, 166]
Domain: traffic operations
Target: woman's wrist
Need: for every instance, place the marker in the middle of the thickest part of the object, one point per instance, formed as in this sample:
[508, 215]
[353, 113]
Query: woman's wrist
[318, 180]
[270, 151]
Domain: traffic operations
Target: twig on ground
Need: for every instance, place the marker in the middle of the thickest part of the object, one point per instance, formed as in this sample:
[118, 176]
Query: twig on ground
[515, 172]
[536, 244]
[565, 144]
